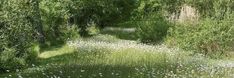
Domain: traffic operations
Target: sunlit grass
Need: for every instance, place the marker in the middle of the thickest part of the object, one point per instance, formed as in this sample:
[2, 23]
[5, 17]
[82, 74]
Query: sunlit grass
[57, 51]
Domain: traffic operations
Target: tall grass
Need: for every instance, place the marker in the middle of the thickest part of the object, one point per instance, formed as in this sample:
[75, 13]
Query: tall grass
[121, 59]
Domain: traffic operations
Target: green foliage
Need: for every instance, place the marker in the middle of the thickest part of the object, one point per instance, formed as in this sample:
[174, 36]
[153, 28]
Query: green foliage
[212, 8]
[209, 37]
[151, 19]
[100, 12]
[212, 35]
[93, 30]
[55, 15]
[17, 34]
[166, 7]
[152, 29]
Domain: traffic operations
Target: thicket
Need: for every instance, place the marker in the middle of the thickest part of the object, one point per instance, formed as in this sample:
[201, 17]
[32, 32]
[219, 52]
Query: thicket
[151, 19]
[61, 18]
[212, 35]
[152, 29]
[102, 13]
[209, 37]
[55, 20]
[18, 34]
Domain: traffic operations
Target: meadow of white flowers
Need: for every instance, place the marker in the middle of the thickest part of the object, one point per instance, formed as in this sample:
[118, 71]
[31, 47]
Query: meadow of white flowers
[105, 56]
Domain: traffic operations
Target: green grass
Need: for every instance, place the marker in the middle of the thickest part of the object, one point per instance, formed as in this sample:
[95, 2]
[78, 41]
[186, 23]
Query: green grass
[56, 51]
[94, 60]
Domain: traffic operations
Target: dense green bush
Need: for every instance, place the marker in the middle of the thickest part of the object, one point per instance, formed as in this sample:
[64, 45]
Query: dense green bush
[152, 29]
[209, 37]
[55, 18]
[17, 34]
[212, 34]
[151, 21]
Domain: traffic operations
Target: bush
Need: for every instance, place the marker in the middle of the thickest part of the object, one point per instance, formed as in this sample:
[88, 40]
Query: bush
[209, 37]
[16, 34]
[152, 29]
[151, 18]
[55, 16]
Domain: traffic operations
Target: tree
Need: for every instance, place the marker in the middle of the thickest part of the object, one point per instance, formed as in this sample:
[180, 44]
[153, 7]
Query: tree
[17, 34]
[100, 12]
[36, 20]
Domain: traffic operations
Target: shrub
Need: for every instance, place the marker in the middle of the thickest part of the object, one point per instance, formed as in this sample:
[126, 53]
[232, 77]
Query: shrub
[151, 18]
[209, 37]
[152, 29]
[16, 34]
[55, 16]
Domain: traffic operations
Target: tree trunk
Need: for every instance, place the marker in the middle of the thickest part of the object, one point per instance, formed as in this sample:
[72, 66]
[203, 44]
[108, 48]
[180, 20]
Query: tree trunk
[37, 22]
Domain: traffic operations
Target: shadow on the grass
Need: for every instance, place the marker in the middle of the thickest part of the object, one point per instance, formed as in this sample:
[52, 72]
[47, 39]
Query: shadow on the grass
[49, 47]
[86, 65]
[90, 64]
[122, 33]
[102, 63]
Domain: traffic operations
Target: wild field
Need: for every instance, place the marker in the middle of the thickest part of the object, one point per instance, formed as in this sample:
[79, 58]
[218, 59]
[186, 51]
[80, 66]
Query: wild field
[116, 38]
[105, 56]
